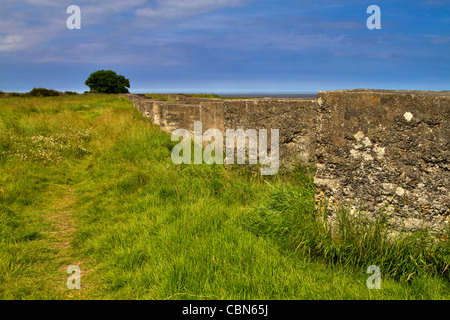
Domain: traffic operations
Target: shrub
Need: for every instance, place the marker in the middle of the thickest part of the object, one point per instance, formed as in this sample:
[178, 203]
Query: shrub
[17, 94]
[42, 92]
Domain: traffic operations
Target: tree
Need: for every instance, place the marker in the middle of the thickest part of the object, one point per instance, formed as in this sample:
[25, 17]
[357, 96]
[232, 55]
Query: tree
[107, 81]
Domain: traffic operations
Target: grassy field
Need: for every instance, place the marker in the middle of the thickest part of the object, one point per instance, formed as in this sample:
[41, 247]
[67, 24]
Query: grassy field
[85, 180]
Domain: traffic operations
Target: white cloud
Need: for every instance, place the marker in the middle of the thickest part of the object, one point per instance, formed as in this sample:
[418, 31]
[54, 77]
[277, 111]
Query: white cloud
[438, 39]
[436, 3]
[10, 43]
[32, 26]
[20, 36]
[43, 3]
[97, 12]
[35, 27]
[168, 9]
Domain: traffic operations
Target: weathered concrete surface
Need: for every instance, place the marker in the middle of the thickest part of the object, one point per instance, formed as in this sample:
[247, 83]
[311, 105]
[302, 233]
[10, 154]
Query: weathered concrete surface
[180, 114]
[380, 149]
[373, 149]
[294, 118]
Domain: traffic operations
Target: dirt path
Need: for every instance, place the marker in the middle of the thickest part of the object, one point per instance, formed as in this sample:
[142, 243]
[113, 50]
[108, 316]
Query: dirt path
[61, 217]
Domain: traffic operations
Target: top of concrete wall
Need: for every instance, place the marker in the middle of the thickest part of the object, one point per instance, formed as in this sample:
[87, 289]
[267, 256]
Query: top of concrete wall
[180, 97]
[378, 91]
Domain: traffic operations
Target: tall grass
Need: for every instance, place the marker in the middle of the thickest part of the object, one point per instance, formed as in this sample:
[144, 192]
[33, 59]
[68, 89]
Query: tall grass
[357, 240]
[159, 96]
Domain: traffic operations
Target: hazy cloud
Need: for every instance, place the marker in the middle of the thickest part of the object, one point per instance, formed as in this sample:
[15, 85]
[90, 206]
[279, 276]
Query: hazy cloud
[165, 9]
[436, 3]
[437, 39]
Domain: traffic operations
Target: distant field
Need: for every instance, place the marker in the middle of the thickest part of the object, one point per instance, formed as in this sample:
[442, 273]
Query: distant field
[86, 180]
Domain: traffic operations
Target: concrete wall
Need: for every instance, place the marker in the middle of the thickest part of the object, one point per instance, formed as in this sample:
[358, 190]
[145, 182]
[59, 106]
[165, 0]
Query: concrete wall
[372, 149]
[380, 149]
[295, 119]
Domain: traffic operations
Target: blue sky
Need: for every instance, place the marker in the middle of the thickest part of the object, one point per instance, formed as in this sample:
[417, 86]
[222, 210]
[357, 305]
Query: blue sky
[225, 46]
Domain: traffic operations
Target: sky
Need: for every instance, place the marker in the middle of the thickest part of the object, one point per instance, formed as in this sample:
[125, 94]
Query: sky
[226, 46]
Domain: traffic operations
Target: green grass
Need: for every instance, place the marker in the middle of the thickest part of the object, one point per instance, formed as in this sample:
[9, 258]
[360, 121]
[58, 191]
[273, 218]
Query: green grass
[290, 218]
[86, 180]
[159, 96]
[204, 95]
[213, 96]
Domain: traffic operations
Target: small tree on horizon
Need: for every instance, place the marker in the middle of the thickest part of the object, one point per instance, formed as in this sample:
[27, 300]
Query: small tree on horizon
[107, 81]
